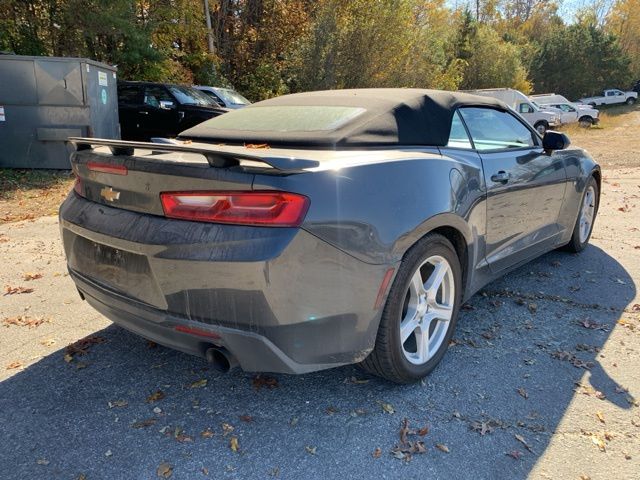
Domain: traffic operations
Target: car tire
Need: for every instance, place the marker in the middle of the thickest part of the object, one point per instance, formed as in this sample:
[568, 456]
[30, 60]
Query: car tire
[582, 232]
[631, 101]
[585, 122]
[541, 127]
[431, 258]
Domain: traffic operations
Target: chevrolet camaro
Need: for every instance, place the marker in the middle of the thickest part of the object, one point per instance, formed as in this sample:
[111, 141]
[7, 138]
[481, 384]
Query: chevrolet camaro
[321, 229]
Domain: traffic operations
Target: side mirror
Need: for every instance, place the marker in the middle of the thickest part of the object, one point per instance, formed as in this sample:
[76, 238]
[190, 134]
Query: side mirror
[166, 104]
[555, 141]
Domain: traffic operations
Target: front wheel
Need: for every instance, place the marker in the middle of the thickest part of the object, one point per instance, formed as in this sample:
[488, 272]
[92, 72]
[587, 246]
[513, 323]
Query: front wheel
[541, 127]
[586, 217]
[419, 317]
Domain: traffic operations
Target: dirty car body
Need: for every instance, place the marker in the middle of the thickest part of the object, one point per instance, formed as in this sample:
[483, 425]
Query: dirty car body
[371, 173]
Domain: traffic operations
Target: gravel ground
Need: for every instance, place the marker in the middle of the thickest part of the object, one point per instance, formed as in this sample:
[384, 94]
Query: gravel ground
[542, 381]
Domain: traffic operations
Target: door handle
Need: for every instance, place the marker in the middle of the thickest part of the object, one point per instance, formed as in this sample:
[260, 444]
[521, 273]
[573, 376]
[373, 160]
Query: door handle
[143, 113]
[500, 177]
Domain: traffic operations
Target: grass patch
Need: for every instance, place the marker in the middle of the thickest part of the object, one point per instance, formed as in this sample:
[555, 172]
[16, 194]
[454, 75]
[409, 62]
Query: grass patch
[29, 194]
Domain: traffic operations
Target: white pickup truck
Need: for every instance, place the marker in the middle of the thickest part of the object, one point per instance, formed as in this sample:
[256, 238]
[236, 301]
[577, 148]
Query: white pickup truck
[612, 96]
[570, 112]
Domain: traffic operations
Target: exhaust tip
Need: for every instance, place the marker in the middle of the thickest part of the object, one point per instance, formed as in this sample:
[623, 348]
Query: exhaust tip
[221, 360]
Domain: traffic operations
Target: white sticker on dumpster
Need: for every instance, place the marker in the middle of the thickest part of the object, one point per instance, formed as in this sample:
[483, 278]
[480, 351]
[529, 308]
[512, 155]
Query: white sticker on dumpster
[102, 79]
[2, 117]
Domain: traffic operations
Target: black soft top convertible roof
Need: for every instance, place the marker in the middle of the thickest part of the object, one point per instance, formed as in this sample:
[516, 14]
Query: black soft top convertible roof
[386, 117]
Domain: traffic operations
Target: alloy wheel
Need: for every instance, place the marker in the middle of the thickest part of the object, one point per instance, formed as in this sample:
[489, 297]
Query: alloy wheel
[427, 310]
[587, 213]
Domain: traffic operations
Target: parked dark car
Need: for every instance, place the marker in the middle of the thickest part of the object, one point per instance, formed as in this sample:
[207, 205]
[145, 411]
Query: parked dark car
[148, 110]
[321, 229]
[225, 97]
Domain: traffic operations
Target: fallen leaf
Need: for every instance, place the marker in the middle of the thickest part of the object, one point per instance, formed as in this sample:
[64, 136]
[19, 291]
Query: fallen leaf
[118, 404]
[154, 397]
[442, 447]
[165, 470]
[523, 393]
[357, 381]
[260, 381]
[9, 290]
[199, 383]
[377, 453]
[144, 423]
[257, 145]
[15, 365]
[515, 454]
[599, 442]
[81, 347]
[24, 321]
[387, 407]
[226, 429]
[521, 439]
[533, 308]
[233, 444]
[42, 461]
[600, 416]
[246, 418]
[423, 431]
[48, 342]
[27, 277]
[207, 433]
[331, 410]
[311, 450]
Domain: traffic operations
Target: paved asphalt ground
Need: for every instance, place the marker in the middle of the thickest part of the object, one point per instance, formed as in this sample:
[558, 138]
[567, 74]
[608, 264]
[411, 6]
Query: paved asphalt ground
[542, 381]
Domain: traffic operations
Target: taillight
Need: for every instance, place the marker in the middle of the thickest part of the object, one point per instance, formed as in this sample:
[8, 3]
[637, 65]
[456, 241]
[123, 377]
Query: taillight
[107, 168]
[275, 209]
[77, 187]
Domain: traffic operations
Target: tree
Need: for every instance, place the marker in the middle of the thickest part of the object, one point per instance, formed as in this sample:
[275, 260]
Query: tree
[624, 22]
[580, 60]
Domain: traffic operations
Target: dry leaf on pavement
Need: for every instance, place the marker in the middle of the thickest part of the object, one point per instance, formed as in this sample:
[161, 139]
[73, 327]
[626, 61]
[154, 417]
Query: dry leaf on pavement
[154, 397]
[523, 393]
[31, 276]
[377, 453]
[199, 383]
[9, 290]
[164, 470]
[15, 365]
[521, 439]
[442, 447]
[260, 381]
[233, 444]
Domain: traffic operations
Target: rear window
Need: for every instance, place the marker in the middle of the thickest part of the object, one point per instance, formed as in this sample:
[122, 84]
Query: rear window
[293, 118]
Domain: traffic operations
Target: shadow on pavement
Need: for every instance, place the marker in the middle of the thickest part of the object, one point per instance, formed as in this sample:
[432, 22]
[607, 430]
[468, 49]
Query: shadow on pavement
[538, 330]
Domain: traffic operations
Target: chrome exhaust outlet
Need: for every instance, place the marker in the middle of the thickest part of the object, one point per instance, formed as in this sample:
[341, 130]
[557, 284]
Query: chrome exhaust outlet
[221, 359]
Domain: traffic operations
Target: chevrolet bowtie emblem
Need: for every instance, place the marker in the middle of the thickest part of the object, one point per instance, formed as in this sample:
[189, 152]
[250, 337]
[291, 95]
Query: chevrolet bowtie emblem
[109, 194]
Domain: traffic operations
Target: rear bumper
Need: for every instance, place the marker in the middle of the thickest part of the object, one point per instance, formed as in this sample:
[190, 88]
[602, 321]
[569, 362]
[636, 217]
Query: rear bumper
[279, 300]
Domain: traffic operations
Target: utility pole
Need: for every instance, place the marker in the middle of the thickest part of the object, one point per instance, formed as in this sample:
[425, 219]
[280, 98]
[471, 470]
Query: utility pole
[207, 16]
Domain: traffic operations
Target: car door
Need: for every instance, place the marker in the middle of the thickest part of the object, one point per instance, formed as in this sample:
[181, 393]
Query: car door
[525, 186]
[129, 104]
[568, 113]
[610, 97]
[159, 113]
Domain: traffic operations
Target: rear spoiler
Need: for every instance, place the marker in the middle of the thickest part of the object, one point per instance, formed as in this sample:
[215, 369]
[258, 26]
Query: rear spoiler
[216, 156]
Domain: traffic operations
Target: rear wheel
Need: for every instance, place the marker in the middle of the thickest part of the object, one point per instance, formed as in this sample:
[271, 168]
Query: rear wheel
[419, 317]
[585, 122]
[631, 101]
[586, 217]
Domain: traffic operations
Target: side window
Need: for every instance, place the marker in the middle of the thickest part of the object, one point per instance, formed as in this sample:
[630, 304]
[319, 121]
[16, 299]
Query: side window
[525, 108]
[129, 95]
[610, 94]
[154, 95]
[494, 129]
[458, 137]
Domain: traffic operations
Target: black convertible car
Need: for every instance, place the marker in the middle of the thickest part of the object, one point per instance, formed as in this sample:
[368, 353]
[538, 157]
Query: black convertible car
[323, 228]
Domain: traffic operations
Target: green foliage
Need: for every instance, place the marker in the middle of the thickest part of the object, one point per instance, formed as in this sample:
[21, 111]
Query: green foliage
[580, 60]
[270, 47]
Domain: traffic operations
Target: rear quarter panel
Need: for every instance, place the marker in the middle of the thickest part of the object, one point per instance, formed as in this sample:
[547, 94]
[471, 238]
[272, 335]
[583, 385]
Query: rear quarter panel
[377, 210]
